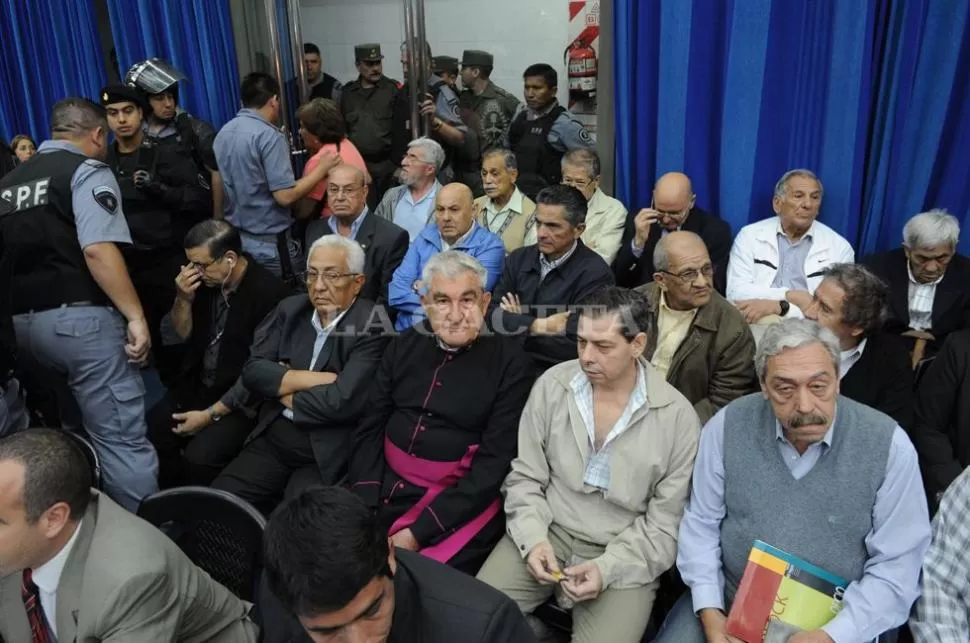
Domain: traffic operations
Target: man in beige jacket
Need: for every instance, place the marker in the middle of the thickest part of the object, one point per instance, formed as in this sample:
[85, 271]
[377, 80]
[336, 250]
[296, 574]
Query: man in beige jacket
[596, 494]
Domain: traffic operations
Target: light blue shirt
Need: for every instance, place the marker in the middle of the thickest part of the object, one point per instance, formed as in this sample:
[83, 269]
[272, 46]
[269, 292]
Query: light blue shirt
[414, 217]
[896, 544]
[322, 335]
[254, 161]
[791, 262]
[354, 227]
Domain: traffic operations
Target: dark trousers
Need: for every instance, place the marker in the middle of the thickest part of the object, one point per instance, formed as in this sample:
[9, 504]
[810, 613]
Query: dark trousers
[277, 461]
[382, 179]
[153, 274]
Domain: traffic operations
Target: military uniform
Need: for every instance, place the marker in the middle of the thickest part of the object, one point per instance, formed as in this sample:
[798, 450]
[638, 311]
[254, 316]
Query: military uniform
[540, 139]
[495, 107]
[369, 114]
[67, 332]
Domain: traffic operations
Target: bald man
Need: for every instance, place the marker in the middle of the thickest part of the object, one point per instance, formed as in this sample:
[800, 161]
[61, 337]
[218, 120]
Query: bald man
[454, 228]
[384, 243]
[699, 341]
[672, 208]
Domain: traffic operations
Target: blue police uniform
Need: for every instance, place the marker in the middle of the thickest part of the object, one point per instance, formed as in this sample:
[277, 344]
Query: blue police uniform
[65, 328]
[254, 161]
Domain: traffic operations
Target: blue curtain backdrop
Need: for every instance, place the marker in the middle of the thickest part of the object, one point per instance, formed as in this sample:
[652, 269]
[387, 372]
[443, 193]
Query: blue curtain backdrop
[735, 92]
[196, 37]
[50, 51]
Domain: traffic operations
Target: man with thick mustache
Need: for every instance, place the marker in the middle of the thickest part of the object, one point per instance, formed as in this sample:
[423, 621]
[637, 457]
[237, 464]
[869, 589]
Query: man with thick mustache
[814, 474]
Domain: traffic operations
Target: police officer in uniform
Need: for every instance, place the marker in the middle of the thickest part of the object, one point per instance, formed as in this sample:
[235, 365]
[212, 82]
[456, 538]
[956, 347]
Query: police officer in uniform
[169, 124]
[13, 413]
[77, 319]
[494, 106]
[543, 132]
[446, 68]
[162, 196]
[368, 108]
[321, 84]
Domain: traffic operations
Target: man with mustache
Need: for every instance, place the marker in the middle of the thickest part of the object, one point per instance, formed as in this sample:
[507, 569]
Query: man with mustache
[699, 342]
[504, 210]
[814, 474]
[777, 263]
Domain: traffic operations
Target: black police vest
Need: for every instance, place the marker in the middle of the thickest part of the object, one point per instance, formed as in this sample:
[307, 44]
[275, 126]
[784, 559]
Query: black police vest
[539, 164]
[42, 265]
[324, 89]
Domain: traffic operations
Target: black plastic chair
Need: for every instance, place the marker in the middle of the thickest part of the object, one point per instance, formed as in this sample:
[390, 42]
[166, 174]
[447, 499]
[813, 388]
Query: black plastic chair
[91, 455]
[220, 533]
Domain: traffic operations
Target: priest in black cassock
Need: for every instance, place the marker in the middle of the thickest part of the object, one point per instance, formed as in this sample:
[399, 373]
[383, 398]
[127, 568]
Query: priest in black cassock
[442, 422]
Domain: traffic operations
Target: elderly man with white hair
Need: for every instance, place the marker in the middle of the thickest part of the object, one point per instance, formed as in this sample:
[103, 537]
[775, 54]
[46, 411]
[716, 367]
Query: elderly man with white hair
[312, 361]
[777, 263]
[929, 282]
[411, 204]
[814, 474]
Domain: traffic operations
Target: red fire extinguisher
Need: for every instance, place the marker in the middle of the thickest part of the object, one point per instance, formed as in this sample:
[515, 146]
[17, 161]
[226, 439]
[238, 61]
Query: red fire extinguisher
[580, 59]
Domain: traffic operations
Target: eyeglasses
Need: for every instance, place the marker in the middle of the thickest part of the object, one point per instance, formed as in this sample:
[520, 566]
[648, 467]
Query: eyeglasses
[337, 190]
[577, 183]
[690, 276]
[672, 215]
[205, 266]
[329, 277]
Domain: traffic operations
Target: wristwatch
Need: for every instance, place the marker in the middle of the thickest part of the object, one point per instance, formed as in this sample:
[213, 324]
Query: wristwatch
[785, 306]
[214, 415]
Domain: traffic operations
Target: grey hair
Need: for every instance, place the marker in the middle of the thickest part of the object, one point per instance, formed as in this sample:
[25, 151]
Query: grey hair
[434, 154]
[661, 259]
[508, 156]
[781, 187]
[795, 333]
[73, 117]
[355, 254]
[451, 264]
[933, 228]
[586, 159]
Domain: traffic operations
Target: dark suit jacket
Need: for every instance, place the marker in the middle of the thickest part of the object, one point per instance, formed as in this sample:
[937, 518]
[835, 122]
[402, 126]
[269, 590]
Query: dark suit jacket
[941, 431]
[352, 351]
[716, 233]
[951, 306]
[433, 603]
[384, 244]
[566, 286]
[883, 378]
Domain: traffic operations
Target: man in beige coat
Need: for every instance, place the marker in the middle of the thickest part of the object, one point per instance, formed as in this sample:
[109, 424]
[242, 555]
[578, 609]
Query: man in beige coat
[595, 496]
[75, 566]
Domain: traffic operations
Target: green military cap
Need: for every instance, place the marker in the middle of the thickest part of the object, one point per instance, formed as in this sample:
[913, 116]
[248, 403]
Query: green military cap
[370, 52]
[476, 58]
[444, 64]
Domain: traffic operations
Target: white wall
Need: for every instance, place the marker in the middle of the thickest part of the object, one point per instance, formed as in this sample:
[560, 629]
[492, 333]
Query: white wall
[517, 32]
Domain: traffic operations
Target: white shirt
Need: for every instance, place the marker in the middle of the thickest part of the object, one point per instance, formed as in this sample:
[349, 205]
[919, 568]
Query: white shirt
[322, 335]
[445, 246]
[48, 576]
[921, 298]
[850, 357]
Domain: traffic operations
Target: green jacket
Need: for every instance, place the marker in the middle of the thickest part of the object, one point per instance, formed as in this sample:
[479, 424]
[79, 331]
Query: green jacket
[495, 108]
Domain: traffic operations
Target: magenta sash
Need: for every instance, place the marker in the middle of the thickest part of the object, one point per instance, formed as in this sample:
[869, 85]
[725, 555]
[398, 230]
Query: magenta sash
[436, 477]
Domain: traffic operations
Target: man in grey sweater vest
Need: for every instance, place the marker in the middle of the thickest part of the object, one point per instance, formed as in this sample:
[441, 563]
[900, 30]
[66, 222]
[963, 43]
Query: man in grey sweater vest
[815, 474]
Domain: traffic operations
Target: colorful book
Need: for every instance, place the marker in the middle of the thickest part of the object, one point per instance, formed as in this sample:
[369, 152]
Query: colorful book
[781, 594]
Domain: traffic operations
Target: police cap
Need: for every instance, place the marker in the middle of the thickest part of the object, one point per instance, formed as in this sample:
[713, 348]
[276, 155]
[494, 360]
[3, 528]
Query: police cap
[370, 52]
[121, 94]
[476, 58]
[444, 65]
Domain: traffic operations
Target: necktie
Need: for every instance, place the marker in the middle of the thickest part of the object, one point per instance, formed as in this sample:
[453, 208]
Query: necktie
[39, 631]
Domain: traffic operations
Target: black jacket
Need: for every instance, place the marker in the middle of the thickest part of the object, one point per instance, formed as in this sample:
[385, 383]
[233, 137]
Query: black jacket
[883, 378]
[951, 306]
[941, 432]
[716, 233]
[352, 351]
[433, 603]
[565, 287]
[384, 244]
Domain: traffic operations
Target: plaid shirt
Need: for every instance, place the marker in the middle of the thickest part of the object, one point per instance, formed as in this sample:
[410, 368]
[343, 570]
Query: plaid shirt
[942, 613]
[546, 266]
[598, 466]
[921, 302]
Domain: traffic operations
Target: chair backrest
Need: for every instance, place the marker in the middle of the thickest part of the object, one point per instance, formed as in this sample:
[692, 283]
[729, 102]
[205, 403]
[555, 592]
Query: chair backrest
[220, 533]
[92, 457]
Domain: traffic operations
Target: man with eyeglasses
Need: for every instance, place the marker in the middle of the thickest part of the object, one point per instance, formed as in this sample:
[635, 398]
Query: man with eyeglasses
[384, 243]
[672, 208]
[223, 295]
[699, 342]
[313, 359]
[605, 216]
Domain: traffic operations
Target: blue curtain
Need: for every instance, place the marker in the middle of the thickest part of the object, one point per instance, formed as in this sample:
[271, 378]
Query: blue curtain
[196, 37]
[51, 51]
[735, 92]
